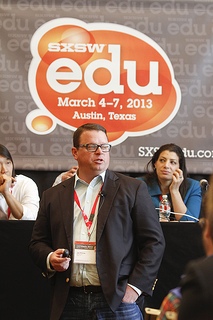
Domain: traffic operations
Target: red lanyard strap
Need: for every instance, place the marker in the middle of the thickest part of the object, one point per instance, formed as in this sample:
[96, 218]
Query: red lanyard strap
[88, 221]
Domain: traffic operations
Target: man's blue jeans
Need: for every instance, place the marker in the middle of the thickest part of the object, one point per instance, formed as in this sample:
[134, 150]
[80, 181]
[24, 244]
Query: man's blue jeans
[93, 306]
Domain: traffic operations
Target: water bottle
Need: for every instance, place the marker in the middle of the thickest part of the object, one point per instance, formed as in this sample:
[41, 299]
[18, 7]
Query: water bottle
[164, 209]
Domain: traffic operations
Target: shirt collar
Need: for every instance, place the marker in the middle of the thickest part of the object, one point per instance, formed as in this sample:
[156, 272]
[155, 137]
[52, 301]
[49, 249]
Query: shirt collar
[94, 181]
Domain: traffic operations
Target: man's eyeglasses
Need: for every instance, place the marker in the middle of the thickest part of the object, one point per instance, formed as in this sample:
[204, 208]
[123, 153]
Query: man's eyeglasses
[92, 147]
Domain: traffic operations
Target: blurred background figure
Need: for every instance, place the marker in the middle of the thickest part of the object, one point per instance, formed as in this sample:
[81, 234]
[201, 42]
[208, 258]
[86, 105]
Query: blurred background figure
[19, 197]
[197, 284]
[193, 298]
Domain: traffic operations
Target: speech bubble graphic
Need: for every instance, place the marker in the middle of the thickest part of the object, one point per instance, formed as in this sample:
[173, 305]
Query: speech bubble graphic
[102, 73]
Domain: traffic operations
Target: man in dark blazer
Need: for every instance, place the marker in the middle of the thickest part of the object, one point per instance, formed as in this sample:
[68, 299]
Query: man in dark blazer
[110, 226]
[197, 283]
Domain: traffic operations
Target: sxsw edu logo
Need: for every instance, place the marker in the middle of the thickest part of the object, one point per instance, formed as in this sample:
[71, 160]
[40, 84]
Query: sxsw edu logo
[100, 72]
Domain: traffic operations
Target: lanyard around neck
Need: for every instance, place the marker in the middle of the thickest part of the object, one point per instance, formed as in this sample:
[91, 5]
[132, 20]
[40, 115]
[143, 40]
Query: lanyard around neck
[88, 221]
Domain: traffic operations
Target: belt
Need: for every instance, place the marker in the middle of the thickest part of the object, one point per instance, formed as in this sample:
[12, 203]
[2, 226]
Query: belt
[87, 289]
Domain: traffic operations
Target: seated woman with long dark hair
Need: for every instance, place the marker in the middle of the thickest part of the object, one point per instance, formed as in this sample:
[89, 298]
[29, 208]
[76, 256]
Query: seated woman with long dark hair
[167, 174]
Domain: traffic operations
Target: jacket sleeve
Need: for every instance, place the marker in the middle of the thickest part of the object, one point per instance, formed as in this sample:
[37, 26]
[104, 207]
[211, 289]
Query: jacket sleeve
[150, 241]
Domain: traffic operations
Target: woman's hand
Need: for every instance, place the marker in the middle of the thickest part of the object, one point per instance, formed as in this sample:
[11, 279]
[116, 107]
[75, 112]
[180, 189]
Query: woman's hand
[177, 179]
[177, 201]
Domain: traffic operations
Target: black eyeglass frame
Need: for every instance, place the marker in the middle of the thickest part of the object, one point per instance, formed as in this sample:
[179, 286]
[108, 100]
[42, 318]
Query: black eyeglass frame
[96, 146]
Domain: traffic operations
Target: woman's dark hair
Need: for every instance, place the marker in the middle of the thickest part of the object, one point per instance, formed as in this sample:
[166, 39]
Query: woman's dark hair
[150, 167]
[86, 127]
[4, 152]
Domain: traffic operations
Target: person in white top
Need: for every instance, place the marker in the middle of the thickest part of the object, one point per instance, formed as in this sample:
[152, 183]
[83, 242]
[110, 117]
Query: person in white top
[19, 196]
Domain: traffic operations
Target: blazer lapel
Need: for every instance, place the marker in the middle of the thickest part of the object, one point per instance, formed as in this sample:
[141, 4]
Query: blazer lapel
[110, 187]
[67, 204]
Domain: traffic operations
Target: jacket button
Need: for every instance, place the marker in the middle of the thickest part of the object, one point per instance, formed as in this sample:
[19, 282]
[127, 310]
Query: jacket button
[67, 280]
[154, 284]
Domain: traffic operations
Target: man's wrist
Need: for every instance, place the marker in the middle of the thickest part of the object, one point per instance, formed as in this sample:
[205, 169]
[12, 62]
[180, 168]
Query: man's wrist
[49, 266]
[139, 292]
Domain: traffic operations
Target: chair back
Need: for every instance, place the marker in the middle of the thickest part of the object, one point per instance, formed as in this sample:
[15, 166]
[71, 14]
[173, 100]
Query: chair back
[151, 313]
[171, 315]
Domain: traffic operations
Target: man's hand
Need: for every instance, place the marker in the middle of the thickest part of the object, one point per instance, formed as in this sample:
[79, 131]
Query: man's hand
[69, 174]
[1, 180]
[6, 182]
[130, 295]
[57, 261]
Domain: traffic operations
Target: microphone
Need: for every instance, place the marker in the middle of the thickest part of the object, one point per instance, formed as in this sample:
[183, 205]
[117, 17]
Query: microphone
[102, 194]
[204, 184]
[181, 214]
[66, 253]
